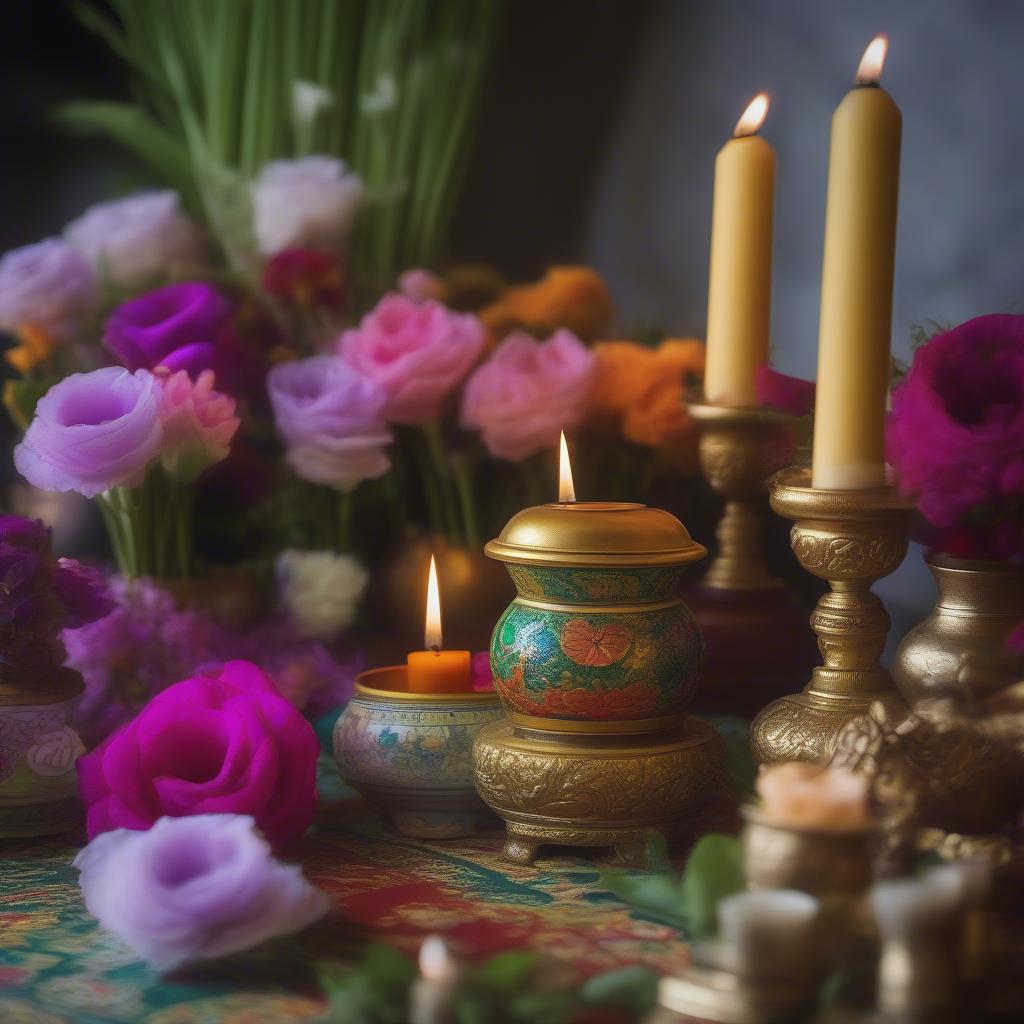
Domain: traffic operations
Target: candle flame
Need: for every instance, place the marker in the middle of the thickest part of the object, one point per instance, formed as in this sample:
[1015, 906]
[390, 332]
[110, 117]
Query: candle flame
[869, 70]
[753, 117]
[432, 625]
[566, 491]
[436, 963]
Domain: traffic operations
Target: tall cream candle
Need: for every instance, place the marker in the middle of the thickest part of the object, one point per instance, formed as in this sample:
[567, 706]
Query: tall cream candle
[856, 283]
[740, 278]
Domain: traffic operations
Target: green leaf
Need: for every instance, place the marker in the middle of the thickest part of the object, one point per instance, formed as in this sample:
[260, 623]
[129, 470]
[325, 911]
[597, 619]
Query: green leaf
[505, 972]
[656, 895]
[21, 397]
[633, 988]
[714, 871]
[388, 969]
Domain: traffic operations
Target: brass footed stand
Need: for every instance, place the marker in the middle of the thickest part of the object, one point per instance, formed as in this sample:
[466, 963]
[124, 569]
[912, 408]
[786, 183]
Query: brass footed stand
[754, 626]
[851, 539]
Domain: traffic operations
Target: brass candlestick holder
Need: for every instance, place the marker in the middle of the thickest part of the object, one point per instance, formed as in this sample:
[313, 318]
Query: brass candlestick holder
[754, 626]
[851, 539]
[595, 662]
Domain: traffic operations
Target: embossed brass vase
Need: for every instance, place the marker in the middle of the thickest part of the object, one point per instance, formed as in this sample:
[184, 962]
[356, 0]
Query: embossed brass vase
[755, 628]
[851, 539]
[411, 754]
[596, 662]
[821, 862]
[962, 642]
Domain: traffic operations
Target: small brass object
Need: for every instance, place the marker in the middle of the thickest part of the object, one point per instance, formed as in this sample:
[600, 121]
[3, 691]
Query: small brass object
[851, 539]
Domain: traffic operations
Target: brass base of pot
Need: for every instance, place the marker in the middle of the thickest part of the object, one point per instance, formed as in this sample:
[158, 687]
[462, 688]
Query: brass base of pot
[587, 790]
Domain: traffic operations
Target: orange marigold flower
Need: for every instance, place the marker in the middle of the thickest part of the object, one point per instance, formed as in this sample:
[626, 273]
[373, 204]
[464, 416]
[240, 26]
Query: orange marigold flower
[572, 297]
[35, 347]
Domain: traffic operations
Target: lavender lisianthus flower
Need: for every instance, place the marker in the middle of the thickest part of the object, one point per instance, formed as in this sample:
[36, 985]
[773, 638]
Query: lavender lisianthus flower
[93, 431]
[310, 202]
[194, 888]
[138, 240]
[331, 420]
[49, 286]
[175, 326]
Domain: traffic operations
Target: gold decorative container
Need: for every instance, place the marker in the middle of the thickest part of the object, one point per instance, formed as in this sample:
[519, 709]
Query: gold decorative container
[851, 539]
[962, 643]
[821, 862]
[596, 662]
[755, 628]
[411, 754]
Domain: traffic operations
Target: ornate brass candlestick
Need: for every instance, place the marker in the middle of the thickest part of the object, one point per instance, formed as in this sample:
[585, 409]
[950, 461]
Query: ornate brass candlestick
[596, 662]
[755, 628]
[851, 539]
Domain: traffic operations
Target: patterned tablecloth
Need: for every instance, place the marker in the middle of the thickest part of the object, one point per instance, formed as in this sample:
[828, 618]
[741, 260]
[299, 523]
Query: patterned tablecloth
[58, 967]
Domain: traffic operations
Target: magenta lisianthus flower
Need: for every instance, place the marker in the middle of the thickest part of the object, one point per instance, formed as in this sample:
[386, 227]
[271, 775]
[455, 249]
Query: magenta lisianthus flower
[198, 423]
[93, 431]
[138, 240]
[82, 591]
[418, 352]
[49, 286]
[480, 671]
[955, 436]
[224, 742]
[331, 420]
[174, 327]
[784, 393]
[194, 889]
[32, 534]
[527, 392]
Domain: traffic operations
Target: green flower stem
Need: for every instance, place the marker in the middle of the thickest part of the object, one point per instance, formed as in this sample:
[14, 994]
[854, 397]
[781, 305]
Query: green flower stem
[438, 467]
[346, 510]
[464, 486]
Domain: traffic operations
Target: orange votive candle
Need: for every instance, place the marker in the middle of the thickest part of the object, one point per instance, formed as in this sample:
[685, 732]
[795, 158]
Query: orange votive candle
[439, 672]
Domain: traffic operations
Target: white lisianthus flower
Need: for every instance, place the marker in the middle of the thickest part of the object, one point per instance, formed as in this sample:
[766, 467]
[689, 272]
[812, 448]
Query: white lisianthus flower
[305, 203]
[321, 590]
[139, 240]
[383, 98]
[49, 286]
[308, 99]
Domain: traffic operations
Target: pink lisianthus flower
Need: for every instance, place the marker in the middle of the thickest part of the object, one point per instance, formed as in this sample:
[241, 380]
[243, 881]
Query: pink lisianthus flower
[93, 431]
[198, 422]
[955, 436]
[420, 285]
[784, 393]
[527, 392]
[224, 742]
[417, 352]
[194, 889]
[331, 420]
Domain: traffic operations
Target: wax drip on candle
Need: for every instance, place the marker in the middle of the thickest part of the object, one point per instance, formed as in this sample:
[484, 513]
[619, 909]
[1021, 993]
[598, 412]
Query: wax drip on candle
[753, 117]
[869, 71]
[566, 491]
[432, 635]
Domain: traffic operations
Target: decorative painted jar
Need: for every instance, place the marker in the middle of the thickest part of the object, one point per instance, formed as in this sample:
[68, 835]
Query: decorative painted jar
[38, 751]
[962, 642]
[597, 639]
[411, 754]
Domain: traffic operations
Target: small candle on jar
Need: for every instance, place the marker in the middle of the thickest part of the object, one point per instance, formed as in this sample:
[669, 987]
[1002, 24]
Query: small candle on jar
[803, 795]
[435, 670]
[740, 275]
[433, 995]
[768, 935]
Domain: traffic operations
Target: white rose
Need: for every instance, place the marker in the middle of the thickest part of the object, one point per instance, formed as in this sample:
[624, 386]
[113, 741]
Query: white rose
[310, 202]
[320, 590]
[138, 240]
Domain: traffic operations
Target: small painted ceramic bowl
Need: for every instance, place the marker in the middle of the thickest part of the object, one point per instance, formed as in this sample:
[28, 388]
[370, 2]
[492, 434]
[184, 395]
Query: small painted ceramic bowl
[411, 754]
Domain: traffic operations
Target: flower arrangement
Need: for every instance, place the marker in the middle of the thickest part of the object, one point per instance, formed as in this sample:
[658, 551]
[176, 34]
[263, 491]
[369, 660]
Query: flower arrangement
[955, 438]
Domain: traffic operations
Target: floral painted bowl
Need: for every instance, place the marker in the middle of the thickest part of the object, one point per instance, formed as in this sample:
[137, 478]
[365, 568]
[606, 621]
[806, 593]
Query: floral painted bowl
[411, 754]
[38, 751]
[597, 639]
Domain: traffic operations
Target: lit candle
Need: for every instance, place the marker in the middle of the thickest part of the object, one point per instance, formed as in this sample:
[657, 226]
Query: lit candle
[432, 999]
[435, 670]
[566, 490]
[740, 279]
[856, 283]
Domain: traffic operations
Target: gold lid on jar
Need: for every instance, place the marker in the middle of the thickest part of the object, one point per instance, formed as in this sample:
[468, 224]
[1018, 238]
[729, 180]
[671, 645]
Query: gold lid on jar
[595, 533]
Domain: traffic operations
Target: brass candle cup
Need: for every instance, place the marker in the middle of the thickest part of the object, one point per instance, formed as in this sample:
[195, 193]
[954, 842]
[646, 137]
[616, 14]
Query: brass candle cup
[596, 662]
[820, 862]
[411, 754]
[850, 539]
[755, 627]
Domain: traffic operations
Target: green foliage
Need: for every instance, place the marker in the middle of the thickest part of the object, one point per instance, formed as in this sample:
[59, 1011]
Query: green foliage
[20, 398]
[714, 870]
[214, 84]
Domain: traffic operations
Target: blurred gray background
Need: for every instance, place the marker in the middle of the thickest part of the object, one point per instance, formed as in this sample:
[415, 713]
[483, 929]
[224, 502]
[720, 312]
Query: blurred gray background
[597, 141]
